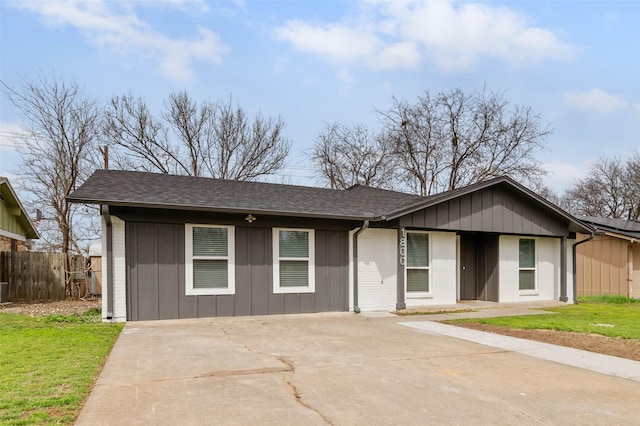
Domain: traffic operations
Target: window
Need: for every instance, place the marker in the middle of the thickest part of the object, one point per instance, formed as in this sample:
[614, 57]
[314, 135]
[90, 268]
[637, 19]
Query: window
[293, 253]
[209, 260]
[527, 266]
[417, 270]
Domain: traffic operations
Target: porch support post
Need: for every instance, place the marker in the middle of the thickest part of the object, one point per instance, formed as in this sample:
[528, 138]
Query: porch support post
[563, 269]
[402, 252]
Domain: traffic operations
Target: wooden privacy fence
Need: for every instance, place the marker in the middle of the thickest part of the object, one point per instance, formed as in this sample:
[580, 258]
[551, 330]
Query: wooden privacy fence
[37, 276]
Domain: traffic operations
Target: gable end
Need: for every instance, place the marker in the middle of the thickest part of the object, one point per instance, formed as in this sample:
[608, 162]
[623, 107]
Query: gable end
[495, 209]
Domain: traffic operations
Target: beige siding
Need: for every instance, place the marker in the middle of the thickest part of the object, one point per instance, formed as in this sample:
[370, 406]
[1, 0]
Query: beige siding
[570, 271]
[602, 266]
[635, 276]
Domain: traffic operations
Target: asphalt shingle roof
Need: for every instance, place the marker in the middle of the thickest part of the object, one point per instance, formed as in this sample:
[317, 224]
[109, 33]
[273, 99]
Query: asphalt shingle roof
[629, 228]
[116, 187]
[143, 189]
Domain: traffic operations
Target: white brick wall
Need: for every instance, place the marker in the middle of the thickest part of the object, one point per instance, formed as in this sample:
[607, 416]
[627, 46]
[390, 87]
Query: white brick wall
[547, 270]
[377, 269]
[442, 247]
[119, 271]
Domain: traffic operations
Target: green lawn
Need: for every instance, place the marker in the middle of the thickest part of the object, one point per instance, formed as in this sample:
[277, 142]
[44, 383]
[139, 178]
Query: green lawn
[48, 365]
[609, 317]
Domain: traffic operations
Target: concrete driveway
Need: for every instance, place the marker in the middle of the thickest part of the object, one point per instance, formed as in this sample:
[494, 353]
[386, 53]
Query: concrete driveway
[339, 369]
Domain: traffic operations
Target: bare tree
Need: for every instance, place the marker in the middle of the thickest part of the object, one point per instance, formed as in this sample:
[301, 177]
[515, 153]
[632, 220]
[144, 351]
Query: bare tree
[454, 139]
[242, 148]
[138, 139]
[632, 186]
[192, 126]
[61, 127]
[209, 139]
[350, 155]
[611, 189]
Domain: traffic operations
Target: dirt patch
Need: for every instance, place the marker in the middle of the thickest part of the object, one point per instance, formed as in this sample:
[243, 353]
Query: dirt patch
[615, 346]
[41, 309]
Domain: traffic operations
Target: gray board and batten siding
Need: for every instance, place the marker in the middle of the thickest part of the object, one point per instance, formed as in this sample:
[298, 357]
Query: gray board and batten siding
[495, 209]
[155, 259]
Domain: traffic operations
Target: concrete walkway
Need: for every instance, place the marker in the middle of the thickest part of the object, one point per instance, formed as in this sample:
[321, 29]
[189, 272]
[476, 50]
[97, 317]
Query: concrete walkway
[605, 364]
[600, 363]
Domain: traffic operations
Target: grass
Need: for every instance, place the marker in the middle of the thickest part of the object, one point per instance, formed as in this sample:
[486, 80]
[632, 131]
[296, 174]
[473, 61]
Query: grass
[614, 318]
[618, 300]
[48, 365]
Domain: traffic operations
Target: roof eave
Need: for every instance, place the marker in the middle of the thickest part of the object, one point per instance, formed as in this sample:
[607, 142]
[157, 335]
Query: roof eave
[30, 229]
[226, 210]
[631, 238]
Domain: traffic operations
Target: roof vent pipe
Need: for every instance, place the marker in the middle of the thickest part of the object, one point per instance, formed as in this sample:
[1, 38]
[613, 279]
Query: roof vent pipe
[364, 227]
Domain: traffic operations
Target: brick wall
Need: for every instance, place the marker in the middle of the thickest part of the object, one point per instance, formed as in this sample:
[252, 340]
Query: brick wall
[377, 269]
[119, 313]
[443, 270]
[547, 270]
[5, 244]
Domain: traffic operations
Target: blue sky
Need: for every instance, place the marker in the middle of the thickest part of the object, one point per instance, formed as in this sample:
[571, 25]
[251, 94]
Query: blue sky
[577, 63]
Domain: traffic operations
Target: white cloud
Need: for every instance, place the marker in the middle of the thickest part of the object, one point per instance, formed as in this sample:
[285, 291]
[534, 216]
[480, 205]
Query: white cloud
[562, 175]
[340, 44]
[596, 100]
[115, 26]
[10, 136]
[455, 36]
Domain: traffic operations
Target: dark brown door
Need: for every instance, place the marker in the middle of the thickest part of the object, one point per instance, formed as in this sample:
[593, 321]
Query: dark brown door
[468, 275]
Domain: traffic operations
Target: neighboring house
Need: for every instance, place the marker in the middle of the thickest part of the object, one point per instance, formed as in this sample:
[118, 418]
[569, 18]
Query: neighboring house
[609, 263]
[183, 247]
[15, 226]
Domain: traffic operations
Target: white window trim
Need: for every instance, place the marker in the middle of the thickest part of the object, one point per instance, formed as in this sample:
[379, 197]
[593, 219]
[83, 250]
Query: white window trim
[418, 294]
[276, 263]
[189, 257]
[533, 290]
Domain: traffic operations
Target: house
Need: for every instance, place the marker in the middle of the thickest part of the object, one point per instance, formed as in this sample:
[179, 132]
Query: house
[15, 226]
[183, 247]
[608, 263]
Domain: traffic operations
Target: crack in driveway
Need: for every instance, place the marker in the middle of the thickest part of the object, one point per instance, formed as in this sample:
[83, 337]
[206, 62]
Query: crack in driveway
[290, 368]
[298, 398]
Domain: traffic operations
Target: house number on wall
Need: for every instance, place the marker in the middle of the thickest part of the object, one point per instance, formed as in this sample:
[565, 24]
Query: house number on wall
[402, 248]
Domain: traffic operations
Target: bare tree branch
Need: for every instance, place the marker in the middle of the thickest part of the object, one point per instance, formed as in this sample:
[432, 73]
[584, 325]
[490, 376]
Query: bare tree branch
[244, 149]
[207, 139]
[138, 139]
[611, 189]
[454, 139]
[348, 156]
